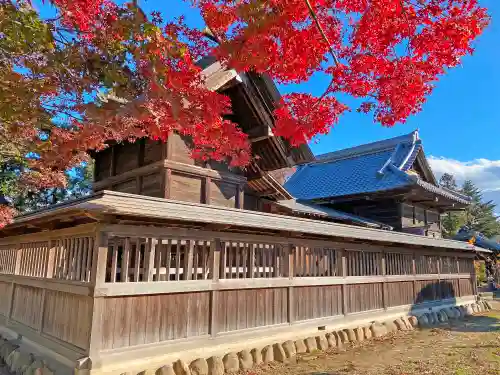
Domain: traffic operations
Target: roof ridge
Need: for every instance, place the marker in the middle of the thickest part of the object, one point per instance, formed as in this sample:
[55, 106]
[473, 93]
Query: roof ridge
[367, 148]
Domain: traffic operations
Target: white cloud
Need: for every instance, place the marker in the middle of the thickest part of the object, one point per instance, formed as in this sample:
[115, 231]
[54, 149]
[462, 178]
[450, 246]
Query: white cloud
[484, 173]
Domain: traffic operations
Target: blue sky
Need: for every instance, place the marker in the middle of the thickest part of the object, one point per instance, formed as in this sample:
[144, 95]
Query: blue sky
[459, 124]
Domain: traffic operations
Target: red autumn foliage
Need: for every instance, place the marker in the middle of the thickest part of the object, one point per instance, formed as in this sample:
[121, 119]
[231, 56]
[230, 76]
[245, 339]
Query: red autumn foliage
[388, 53]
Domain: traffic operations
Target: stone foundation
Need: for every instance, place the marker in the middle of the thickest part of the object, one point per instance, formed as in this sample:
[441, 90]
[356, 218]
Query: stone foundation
[21, 362]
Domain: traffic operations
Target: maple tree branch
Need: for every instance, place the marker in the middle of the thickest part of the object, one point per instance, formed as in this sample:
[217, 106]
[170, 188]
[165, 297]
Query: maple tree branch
[323, 34]
[332, 52]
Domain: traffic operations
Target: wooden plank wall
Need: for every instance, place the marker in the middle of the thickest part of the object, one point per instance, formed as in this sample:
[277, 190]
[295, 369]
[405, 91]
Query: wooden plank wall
[67, 317]
[27, 305]
[400, 293]
[137, 320]
[133, 285]
[250, 308]
[45, 286]
[363, 297]
[312, 302]
[5, 291]
[244, 282]
[167, 170]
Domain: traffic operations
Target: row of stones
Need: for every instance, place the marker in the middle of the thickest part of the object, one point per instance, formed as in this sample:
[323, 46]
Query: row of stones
[458, 312]
[285, 352]
[19, 362]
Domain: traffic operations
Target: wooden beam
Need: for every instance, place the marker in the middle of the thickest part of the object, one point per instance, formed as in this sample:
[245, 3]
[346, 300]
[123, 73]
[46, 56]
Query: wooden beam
[240, 196]
[207, 190]
[147, 169]
[188, 286]
[167, 183]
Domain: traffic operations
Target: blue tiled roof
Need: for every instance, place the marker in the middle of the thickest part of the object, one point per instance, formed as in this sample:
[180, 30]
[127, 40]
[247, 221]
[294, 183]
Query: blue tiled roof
[369, 168]
[315, 209]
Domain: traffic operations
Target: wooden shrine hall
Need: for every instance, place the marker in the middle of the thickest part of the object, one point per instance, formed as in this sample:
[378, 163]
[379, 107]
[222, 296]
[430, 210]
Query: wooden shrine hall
[171, 258]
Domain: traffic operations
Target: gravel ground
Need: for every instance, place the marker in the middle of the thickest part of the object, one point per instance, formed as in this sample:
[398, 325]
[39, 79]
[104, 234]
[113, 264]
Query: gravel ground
[466, 347]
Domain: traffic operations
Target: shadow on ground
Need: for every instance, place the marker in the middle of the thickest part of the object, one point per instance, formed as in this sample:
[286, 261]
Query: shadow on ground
[444, 290]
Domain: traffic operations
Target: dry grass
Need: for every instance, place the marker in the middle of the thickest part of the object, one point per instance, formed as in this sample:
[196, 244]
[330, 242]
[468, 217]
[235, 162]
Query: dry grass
[468, 347]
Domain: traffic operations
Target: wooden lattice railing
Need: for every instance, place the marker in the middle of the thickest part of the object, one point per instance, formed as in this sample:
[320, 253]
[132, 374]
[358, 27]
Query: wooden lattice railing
[116, 286]
[59, 255]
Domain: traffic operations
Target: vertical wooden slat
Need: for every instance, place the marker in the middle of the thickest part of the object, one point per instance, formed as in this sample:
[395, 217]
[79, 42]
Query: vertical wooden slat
[237, 259]
[276, 258]
[188, 267]
[244, 273]
[229, 250]
[90, 258]
[268, 250]
[196, 260]
[215, 256]
[168, 258]
[79, 255]
[149, 258]
[205, 256]
[85, 247]
[64, 260]
[125, 261]
[51, 255]
[304, 260]
[178, 260]
[137, 260]
[344, 274]
[114, 261]
[72, 256]
[251, 265]
[157, 260]
[384, 285]
[56, 271]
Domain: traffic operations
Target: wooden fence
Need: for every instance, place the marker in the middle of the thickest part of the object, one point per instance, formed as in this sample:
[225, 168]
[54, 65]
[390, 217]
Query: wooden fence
[92, 290]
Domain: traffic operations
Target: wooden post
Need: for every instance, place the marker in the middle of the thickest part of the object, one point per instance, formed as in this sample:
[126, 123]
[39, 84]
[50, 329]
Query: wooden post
[138, 184]
[215, 248]
[414, 266]
[167, 183]
[207, 190]
[240, 197]
[290, 274]
[94, 345]
[99, 258]
[384, 285]
[344, 287]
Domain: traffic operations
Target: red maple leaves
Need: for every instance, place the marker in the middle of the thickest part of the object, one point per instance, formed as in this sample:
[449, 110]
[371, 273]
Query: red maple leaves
[388, 53]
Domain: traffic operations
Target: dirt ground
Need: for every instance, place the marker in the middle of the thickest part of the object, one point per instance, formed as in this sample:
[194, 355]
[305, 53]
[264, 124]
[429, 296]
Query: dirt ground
[467, 347]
